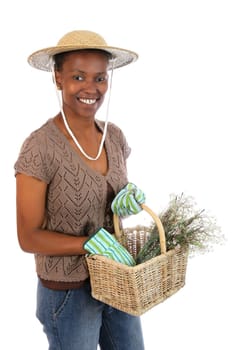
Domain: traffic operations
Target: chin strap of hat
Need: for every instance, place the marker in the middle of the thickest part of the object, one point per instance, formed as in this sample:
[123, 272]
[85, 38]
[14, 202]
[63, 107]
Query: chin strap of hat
[65, 120]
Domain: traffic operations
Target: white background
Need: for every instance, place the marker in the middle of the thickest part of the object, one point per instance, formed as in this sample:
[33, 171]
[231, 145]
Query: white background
[175, 107]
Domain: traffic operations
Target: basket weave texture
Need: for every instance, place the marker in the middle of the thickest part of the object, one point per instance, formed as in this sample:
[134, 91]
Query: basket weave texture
[137, 289]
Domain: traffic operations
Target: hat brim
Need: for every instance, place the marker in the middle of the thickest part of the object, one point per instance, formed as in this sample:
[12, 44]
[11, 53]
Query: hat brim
[42, 59]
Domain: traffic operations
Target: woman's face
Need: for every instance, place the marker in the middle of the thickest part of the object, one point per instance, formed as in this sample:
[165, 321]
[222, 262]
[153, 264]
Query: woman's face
[83, 79]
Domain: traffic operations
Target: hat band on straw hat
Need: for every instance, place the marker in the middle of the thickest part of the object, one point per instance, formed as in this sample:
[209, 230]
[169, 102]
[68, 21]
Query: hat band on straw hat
[80, 40]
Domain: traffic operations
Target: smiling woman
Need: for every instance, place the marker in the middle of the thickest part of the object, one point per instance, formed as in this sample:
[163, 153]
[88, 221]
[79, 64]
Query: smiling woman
[68, 173]
[175, 107]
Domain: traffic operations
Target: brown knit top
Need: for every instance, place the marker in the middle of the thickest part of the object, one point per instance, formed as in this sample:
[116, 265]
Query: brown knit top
[78, 197]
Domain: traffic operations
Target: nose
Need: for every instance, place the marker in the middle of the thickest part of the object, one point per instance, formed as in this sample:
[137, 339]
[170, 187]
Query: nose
[90, 86]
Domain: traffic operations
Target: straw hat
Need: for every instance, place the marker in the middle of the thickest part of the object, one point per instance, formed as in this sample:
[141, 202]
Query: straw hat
[79, 40]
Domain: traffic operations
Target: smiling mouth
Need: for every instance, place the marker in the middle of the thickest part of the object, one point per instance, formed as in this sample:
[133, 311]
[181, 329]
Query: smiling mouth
[88, 101]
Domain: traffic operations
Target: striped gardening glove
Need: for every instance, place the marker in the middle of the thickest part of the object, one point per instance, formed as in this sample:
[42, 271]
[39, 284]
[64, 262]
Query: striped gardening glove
[103, 243]
[128, 201]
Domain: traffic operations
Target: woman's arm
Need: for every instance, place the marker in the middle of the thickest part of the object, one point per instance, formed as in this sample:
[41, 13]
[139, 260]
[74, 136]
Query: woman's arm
[30, 202]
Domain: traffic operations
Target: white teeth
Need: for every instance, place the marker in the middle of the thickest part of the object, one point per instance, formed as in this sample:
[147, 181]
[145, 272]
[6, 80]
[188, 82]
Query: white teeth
[88, 101]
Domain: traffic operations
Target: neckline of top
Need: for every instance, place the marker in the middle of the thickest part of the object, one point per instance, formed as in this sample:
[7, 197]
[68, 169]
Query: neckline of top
[98, 123]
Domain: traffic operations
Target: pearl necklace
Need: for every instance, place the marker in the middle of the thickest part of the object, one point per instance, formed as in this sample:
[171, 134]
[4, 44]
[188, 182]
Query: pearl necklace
[78, 144]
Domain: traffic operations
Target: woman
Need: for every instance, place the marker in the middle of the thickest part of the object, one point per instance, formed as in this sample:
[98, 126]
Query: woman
[68, 173]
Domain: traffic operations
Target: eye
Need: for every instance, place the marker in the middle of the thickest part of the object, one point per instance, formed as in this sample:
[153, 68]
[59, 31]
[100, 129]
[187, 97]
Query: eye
[101, 78]
[78, 77]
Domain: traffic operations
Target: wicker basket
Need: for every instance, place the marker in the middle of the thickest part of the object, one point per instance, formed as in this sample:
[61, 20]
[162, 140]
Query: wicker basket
[137, 289]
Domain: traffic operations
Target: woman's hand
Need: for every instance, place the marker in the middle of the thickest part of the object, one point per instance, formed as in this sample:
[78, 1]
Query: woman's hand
[128, 201]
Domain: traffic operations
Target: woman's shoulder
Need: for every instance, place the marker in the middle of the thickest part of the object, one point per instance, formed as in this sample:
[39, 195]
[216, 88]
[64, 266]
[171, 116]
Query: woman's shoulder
[39, 136]
[112, 128]
[117, 137]
[43, 130]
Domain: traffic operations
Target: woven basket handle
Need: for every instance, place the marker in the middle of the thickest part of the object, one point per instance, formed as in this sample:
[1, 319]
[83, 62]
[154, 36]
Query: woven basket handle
[162, 238]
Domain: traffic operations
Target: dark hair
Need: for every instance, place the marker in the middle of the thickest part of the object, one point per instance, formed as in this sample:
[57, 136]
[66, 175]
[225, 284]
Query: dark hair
[59, 58]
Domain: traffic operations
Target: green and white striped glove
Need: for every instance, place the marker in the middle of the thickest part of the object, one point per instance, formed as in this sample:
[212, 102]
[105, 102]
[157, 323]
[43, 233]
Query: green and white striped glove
[103, 243]
[128, 201]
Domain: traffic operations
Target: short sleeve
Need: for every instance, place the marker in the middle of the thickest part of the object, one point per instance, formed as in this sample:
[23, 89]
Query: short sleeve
[125, 147]
[32, 159]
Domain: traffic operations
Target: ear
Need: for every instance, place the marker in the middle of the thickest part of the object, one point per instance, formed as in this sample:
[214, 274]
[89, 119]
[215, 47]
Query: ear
[58, 80]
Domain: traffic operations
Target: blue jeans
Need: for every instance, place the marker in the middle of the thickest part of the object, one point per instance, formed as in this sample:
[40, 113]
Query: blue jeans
[73, 320]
